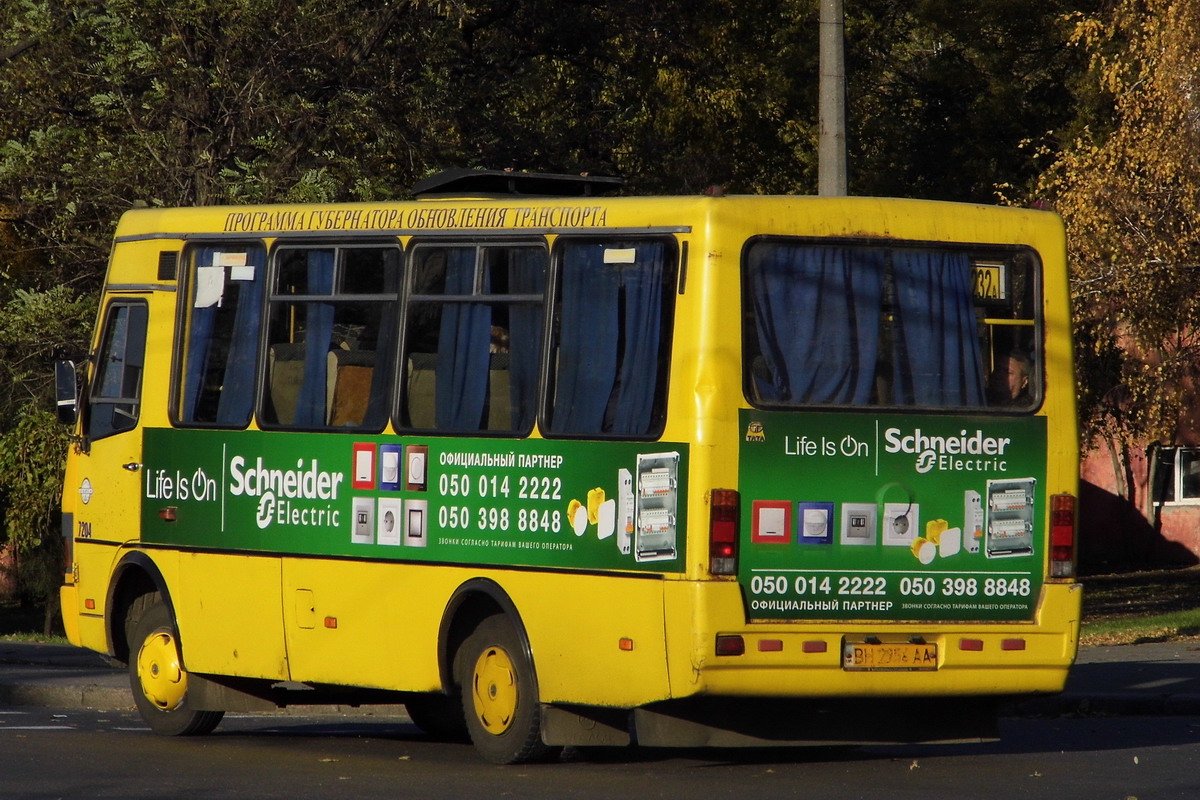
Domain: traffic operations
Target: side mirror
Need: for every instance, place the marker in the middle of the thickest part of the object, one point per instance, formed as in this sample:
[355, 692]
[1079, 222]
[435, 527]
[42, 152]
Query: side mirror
[66, 391]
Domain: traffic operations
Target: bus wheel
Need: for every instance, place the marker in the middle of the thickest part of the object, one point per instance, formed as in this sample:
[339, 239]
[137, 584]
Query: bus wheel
[499, 695]
[158, 679]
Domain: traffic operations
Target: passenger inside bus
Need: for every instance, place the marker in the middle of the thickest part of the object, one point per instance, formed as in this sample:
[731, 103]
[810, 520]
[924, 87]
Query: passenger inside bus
[1009, 381]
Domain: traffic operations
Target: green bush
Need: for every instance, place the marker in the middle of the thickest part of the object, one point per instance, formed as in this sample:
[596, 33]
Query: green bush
[34, 326]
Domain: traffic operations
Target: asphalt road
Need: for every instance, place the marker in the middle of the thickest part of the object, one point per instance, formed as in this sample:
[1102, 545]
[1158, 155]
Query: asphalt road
[52, 753]
[1128, 726]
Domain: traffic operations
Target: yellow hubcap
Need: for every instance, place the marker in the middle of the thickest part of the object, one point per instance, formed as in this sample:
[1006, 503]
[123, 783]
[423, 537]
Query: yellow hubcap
[164, 682]
[494, 690]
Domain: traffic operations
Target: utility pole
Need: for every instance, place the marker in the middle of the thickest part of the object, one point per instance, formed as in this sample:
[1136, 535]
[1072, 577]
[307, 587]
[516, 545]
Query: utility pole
[831, 147]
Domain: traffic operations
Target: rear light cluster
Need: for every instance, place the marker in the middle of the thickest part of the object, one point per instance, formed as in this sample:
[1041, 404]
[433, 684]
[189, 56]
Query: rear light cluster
[1062, 536]
[723, 532]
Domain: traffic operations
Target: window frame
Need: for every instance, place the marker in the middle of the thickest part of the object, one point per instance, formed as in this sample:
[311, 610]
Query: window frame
[978, 254]
[184, 328]
[386, 347]
[673, 253]
[1176, 476]
[135, 339]
[410, 297]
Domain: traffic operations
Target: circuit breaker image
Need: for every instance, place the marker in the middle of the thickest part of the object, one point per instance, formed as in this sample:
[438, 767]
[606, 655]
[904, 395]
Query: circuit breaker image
[1010, 512]
[657, 495]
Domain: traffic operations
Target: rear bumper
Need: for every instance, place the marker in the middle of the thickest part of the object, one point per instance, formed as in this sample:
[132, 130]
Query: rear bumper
[805, 659]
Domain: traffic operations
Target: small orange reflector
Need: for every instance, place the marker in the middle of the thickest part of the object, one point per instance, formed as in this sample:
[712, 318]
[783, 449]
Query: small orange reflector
[331, 622]
[1012, 644]
[625, 644]
[89, 604]
[731, 645]
[970, 644]
[167, 513]
[815, 646]
[770, 645]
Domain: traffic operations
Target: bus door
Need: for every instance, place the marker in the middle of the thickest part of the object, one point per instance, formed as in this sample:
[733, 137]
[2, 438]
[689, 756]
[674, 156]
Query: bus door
[109, 471]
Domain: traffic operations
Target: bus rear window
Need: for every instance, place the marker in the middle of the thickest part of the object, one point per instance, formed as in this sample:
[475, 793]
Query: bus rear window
[921, 326]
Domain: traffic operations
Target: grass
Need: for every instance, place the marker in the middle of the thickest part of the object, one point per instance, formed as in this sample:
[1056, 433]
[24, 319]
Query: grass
[33, 637]
[1141, 607]
[24, 623]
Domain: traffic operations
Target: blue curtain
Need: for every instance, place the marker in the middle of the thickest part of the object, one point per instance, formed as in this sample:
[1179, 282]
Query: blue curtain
[385, 341]
[609, 368]
[463, 345]
[199, 341]
[817, 315]
[587, 356]
[318, 333]
[526, 275]
[632, 410]
[381, 376]
[237, 393]
[936, 356]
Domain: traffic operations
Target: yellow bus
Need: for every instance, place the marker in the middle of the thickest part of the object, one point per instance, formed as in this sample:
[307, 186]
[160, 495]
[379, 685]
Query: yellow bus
[553, 467]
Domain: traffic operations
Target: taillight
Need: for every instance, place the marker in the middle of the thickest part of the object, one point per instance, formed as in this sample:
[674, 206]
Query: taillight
[1062, 536]
[723, 532]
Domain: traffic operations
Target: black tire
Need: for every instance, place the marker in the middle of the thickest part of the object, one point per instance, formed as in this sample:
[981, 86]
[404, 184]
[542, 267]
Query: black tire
[500, 694]
[438, 715]
[156, 674]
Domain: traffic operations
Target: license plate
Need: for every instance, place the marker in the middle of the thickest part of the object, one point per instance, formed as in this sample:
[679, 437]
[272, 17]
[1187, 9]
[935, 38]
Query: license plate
[889, 656]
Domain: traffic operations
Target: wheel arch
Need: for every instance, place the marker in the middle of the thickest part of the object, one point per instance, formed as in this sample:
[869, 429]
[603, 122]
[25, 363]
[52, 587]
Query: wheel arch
[135, 575]
[470, 603]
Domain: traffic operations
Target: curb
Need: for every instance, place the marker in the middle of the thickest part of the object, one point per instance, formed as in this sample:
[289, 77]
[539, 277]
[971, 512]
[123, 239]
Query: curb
[104, 690]
[65, 691]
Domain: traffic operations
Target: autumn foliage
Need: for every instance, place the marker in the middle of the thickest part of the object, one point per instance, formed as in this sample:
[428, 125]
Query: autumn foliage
[1130, 194]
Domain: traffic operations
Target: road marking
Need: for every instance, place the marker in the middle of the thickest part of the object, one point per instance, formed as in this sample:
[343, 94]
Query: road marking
[37, 728]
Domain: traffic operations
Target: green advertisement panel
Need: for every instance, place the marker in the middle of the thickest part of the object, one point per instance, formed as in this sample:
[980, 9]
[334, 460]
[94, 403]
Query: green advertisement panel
[892, 517]
[579, 505]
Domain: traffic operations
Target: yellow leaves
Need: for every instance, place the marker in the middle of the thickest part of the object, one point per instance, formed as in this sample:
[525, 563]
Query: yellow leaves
[1131, 200]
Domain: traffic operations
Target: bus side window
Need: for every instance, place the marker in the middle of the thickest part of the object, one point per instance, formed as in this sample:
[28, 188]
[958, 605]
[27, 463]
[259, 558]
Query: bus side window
[117, 381]
[474, 337]
[330, 327]
[612, 337]
[221, 322]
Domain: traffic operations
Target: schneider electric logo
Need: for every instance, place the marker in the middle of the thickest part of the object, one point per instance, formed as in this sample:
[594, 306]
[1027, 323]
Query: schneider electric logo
[301, 496]
[966, 452]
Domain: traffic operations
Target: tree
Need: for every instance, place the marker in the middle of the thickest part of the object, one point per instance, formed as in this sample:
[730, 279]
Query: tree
[182, 102]
[1130, 196]
[113, 105]
[956, 99]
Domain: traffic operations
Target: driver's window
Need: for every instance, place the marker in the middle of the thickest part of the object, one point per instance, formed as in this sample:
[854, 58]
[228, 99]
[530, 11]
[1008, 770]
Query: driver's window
[116, 391]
